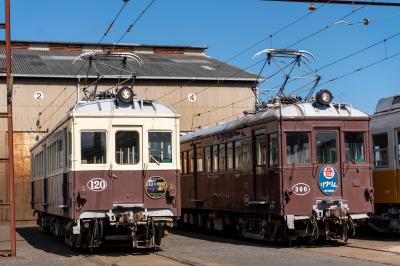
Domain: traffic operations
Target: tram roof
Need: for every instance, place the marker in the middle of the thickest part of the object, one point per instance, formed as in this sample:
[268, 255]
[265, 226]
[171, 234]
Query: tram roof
[295, 111]
[387, 104]
[109, 107]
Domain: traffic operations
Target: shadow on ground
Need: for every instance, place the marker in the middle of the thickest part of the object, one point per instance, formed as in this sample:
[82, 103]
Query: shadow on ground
[54, 245]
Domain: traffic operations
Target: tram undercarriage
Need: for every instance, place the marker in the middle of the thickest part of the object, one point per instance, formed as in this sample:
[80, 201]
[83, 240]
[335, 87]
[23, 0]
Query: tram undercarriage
[127, 227]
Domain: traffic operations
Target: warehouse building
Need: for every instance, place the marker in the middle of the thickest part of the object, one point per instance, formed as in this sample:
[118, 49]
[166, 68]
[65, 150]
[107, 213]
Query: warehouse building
[202, 89]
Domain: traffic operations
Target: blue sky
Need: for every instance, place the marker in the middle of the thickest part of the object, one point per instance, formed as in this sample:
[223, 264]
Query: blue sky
[228, 27]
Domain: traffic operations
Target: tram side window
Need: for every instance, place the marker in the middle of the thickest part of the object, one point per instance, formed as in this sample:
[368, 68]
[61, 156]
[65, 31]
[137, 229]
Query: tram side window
[398, 146]
[160, 147]
[245, 155]
[199, 158]
[326, 147]
[273, 150]
[380, 150]
[126, 147]
[93, 147]
[222, 158]
[69, 148]
[238, 154]
[185, 161]
[59, 154]
[207, 152]
[229, 155]
[354, 145]
[191, 161]
[261, 150]
[297, 148]
[215, 158]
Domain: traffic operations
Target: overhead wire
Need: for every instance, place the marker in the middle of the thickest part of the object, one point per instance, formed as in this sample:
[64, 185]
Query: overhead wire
[307, 37]
[329, 25]
[131, 25]
[125, 2]
[299, 41]
[252, 46]
[386, 58]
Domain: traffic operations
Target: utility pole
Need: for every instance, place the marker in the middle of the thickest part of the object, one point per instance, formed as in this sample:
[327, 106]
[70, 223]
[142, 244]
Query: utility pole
[9, 116]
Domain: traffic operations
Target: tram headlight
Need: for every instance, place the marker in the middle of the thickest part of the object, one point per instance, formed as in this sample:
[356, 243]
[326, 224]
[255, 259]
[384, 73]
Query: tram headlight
[125, 95]
[324, 97]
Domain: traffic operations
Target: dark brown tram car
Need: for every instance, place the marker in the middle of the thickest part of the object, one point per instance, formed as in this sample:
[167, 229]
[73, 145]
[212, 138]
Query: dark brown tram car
[109, 171]
[293, 170]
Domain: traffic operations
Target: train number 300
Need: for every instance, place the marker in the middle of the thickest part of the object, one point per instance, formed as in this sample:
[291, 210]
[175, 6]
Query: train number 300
[301, 189]
[97, 184]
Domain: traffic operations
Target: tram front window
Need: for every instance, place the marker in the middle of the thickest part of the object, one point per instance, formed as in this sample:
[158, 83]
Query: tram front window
[160, 148]
[93, 147]
[127, 147]
[326, 147]
[354, 144]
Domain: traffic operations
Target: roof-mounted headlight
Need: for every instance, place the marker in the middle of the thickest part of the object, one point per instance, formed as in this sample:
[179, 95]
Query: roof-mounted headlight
[125, 95]
[324, 97]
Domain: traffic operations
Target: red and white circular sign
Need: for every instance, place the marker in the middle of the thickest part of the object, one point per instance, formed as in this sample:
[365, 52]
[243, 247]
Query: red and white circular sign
[329, 172]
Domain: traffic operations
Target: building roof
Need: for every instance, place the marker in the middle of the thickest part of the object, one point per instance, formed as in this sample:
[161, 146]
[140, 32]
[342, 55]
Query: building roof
[290, 111]
[159, 62]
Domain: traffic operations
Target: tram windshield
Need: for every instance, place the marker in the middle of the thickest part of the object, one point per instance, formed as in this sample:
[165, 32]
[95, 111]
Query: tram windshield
[127, 147]
[326, 147]
[354, 144]
[160, 147]
[93, 148]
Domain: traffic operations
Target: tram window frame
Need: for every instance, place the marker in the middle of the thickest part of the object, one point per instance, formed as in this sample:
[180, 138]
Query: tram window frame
[273, 147]
[214, 159]
[160, 151]
[318, 146]
[302, 157]
[380, 149]
[261, 154]
[351, 153]
[103, 143]
[200, 159]
[222, 157]
[136, 154]
[230, 156]
[208, 159]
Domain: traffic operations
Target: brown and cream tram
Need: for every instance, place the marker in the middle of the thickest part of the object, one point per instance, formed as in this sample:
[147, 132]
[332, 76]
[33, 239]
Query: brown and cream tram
[296, 169]
[109, 171]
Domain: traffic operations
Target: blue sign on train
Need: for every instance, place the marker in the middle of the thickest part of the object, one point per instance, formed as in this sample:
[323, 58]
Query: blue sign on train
[328, 180]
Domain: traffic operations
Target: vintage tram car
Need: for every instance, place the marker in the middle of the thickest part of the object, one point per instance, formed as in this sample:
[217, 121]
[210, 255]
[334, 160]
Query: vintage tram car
[385, 132]
[296, 169]
[109, 171]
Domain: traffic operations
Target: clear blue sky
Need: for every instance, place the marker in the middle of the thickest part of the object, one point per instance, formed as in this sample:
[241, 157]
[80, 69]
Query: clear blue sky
[228, 27]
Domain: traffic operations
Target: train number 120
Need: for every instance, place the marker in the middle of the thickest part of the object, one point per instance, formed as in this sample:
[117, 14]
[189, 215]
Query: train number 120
[97, 184]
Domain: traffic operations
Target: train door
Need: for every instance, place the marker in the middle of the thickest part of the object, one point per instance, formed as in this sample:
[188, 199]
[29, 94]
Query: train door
[297, 169]
[326, 165]
[259, 165]
[126, 174]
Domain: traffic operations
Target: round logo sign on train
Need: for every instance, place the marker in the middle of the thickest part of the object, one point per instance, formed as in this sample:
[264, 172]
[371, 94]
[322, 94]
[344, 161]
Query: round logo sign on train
[156, 187]
[328, 180]
[97, 184]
